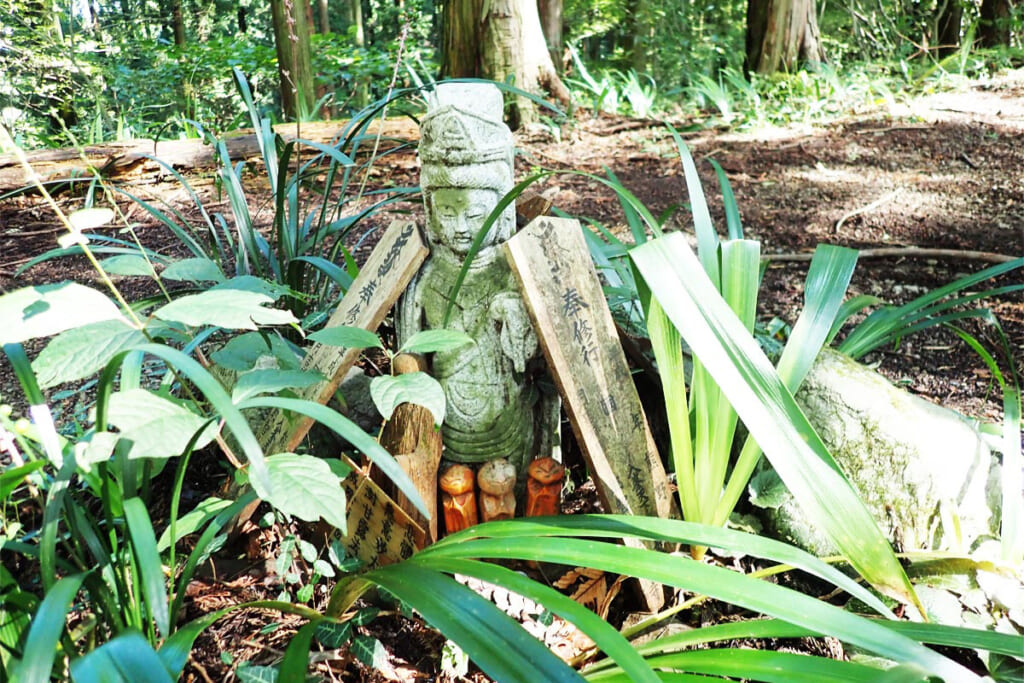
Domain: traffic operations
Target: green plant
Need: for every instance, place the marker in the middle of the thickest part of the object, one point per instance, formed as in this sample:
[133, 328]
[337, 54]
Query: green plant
[310, 218]
[84, 495]
[504, 651]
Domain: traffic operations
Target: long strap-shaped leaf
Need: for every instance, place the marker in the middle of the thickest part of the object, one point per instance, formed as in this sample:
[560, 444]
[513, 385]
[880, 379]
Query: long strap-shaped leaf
[43, 634]
[767, 408]
[496, 643]
[682, 572]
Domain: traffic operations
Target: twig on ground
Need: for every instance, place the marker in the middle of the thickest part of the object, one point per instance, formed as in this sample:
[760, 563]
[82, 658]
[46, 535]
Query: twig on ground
[910, 252]
[967, 160]
[864, 209]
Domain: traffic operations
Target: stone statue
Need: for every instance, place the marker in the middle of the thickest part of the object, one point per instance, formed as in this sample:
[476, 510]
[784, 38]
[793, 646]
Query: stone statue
[495, 408]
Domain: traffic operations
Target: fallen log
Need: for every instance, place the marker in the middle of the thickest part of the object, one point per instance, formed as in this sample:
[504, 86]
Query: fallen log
[131, 158]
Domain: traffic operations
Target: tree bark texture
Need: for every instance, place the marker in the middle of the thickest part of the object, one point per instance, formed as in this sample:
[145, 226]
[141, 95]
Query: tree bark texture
[178, 23]
[781, 34]
[501, 40]
[291, 39]
[324, 16]
[994, 27]
[551, 22]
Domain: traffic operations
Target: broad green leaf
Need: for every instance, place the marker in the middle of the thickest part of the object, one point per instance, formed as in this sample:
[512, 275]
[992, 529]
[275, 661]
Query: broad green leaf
[83, 351]
[193, 521]
[245, 351]
[672, 531]
[768, 410]
[127, 658]
[193, 270]
[43, 634]
[824, 290]
[158, 427]
[272, 381]
[89, 219]
[128, 264]
[305, 487]
[228, 308]
[147, 560]
[252, 673]
[390, 391]
[98, 447]
[46, 310]
[369, 651]
[432, 341]
[253, 284]
[333, 635]
[767, 490]
[495, 643]
[347, 337]
[707, 237]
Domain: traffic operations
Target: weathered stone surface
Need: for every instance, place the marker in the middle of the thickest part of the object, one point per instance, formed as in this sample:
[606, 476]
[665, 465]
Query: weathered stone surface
[494, 409]
[920, 468]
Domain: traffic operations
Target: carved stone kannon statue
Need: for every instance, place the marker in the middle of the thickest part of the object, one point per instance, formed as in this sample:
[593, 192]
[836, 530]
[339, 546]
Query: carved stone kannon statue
[495, 410]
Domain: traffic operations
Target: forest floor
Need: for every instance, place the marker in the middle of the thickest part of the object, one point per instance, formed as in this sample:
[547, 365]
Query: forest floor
[944, 172]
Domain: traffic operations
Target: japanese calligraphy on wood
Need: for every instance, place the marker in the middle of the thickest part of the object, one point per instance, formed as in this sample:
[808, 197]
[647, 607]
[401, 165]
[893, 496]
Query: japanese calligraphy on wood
[380, 282]
[379, 531]
[563, 295]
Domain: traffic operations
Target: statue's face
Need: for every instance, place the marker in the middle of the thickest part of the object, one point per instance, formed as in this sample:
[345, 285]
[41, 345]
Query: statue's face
[459, 213]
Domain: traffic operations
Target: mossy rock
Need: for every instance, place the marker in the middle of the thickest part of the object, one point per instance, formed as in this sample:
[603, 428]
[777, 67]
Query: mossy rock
[923, 470]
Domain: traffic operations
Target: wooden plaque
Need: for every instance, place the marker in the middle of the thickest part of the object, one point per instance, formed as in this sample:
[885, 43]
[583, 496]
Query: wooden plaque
[380, 282]
[563, 295]
[379, 531]
[575, 328]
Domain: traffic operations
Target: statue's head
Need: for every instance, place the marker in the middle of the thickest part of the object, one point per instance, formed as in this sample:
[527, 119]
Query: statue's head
[467, 165]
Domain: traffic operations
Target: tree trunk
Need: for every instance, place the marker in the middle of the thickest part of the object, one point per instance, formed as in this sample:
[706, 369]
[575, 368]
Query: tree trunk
[291, 38]
[177, 23]
[505, 43]
[781, 34]
[638, 35]
[947, 27]
[994, 27]
[551, 22]
[324, 16]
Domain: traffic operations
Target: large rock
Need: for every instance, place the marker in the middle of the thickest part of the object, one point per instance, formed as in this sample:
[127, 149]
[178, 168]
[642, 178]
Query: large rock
[920, 468]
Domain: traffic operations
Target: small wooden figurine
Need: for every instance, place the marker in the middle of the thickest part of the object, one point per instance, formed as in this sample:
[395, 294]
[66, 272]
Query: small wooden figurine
[458, 498]
[544, 487]
[497, 482]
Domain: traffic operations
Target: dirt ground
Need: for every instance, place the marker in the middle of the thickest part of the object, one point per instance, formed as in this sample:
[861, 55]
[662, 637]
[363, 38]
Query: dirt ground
[944, 172]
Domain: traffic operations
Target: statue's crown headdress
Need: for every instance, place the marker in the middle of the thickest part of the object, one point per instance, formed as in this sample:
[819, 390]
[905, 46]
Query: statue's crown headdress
[464, 126]
[454, 136]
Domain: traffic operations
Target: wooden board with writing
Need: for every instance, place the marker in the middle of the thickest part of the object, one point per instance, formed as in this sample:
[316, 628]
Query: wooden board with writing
[379, 531]
[380, 282]
[575, 328]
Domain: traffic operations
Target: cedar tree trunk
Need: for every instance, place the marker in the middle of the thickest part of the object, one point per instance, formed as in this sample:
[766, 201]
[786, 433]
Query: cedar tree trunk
[781, 34]
[551, 21]
[501, 39]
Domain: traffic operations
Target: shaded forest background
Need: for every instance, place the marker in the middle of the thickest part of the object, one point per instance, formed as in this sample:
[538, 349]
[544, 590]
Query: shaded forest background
[88, 71]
